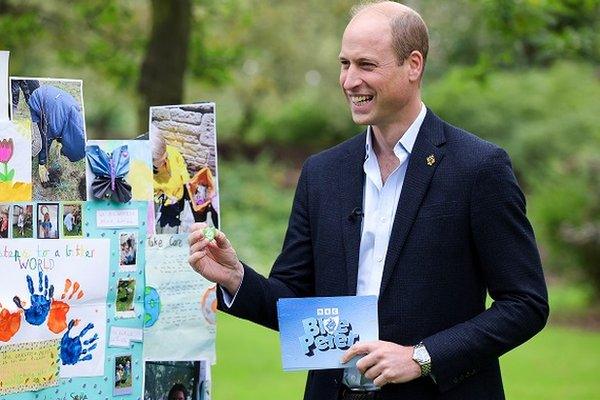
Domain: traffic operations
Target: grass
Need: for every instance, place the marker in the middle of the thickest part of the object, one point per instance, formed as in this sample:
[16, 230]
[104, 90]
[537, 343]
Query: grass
[27, 232]
[559, 363]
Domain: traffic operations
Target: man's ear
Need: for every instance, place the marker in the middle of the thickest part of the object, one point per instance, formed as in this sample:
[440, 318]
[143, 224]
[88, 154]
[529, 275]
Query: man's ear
[416, 63]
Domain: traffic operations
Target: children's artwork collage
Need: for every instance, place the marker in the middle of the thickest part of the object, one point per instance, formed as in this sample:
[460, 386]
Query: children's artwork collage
[97, 299]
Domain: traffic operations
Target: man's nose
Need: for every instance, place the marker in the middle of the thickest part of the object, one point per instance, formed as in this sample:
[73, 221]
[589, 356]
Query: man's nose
[350, 78]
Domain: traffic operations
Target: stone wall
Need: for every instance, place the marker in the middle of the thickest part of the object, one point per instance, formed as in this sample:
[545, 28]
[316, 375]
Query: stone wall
[191, 129]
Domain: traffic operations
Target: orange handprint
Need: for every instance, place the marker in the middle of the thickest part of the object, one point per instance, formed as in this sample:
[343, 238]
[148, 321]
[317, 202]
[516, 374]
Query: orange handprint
[57, 319]
[9, 323]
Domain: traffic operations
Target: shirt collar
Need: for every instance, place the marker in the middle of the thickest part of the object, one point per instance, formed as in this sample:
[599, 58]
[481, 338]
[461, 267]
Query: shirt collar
[406, 142]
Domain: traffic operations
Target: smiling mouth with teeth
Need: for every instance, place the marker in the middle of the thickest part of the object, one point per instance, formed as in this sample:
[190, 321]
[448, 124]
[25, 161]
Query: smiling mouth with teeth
[360, 100]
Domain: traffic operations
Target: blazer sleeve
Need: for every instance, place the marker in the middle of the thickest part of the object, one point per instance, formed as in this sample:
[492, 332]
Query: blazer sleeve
[292, 274]
[507, 253]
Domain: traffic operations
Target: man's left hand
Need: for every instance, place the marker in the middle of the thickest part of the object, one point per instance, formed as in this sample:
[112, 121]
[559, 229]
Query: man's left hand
[384, 362]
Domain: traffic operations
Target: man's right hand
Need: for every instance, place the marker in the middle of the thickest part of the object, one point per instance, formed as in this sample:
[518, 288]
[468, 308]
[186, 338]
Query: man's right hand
[43, 173]
[215, 260]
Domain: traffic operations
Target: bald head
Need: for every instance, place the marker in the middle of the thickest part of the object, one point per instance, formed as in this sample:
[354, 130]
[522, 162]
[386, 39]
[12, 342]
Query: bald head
[408, 30]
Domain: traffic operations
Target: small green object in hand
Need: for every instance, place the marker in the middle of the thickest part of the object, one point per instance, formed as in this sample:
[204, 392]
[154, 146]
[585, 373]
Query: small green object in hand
[209, 233]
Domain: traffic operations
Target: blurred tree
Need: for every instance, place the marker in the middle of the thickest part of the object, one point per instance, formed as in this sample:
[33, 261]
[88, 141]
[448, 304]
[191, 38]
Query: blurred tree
[540, 32]
[568, 215]
[165, 59]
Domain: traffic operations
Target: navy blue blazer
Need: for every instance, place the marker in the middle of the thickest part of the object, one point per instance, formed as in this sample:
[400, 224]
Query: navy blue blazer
[460, 232]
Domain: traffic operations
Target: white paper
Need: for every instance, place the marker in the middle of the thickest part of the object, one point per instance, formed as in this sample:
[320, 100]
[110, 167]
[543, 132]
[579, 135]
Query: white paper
[122, 337]
[117, 218]
[4, 96]
[187, 304]
[73, 290]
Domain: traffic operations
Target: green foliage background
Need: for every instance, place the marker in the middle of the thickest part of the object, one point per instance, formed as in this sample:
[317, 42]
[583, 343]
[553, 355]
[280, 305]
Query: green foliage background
[522, 73]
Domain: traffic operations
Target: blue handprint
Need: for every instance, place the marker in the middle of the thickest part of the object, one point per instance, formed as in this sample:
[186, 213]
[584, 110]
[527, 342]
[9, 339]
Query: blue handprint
[37, 312]
[72, 349]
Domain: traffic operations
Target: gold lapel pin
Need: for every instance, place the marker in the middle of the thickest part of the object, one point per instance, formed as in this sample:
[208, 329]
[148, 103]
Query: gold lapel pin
[430, 160]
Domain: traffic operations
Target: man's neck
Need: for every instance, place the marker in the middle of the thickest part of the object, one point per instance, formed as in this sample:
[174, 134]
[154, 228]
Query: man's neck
[386, 136]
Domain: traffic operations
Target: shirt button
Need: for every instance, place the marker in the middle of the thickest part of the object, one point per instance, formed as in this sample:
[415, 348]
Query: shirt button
[382, 219]
[380, 259]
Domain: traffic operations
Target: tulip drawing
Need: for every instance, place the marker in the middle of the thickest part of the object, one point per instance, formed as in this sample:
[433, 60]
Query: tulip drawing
[6, 152]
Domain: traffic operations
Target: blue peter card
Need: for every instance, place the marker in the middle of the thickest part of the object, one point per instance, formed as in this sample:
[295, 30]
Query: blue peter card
[316, 331]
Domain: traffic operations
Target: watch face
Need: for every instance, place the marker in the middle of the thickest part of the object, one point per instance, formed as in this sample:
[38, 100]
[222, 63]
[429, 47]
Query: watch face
[421, 355]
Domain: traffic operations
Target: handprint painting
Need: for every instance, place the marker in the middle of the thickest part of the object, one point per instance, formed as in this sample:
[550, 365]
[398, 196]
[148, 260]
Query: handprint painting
[57, 289]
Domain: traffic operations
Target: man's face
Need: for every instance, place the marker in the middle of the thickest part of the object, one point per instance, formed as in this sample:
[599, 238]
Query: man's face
[372, 80]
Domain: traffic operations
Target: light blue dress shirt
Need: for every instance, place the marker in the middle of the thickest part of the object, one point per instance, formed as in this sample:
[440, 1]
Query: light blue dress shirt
[380, 202]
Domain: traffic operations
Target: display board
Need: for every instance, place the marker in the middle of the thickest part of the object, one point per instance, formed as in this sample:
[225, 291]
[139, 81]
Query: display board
[89, 293]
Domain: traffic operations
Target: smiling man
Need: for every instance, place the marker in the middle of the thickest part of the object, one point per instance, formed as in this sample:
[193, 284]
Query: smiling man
[422, 214]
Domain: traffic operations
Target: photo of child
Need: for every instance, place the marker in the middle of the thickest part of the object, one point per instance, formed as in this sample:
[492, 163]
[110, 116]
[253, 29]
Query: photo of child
[184, 160]
[123, 378]
[22, 221]
[4, 223]
[47, 217]
[127, 260]
[125, 295]
[71, 220]
[52, 113]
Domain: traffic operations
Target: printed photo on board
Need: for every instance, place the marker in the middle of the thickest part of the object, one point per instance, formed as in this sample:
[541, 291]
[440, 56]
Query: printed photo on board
[22, 221]
[51, 112]
[167, 380]
[4, 220]
[184, 148]
[72, 220]
[128, 251]
[47, 221]
[125, 296]
[123, 376]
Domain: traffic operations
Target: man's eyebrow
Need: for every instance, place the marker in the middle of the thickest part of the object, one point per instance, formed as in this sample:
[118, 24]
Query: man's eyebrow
[366, 60]
[361, 60]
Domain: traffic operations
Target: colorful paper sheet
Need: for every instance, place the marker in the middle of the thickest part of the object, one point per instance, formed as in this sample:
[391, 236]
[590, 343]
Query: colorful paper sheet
[29, 366]
[106, 219]
[178, 302]
[15, 163]
[58, 288]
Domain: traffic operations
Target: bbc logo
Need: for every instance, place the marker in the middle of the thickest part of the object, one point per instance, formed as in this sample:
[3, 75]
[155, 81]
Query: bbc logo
[327, 311]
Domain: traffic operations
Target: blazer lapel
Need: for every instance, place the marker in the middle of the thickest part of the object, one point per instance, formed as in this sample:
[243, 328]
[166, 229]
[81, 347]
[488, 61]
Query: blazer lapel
[351, 185]
[424, 159]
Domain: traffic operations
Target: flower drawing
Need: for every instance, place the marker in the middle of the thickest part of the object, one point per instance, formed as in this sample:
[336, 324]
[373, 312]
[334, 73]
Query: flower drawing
[6, 153]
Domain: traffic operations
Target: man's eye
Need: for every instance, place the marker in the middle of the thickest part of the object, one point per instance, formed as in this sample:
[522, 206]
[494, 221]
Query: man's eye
[345, 64]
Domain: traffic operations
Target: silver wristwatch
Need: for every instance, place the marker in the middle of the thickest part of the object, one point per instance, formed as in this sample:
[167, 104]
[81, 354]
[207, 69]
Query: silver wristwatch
[421, 357]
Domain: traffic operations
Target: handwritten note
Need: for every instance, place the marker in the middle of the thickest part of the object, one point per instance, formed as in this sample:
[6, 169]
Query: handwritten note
[187, 304]
[122, 337]
[28, 366]
[117, 218]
